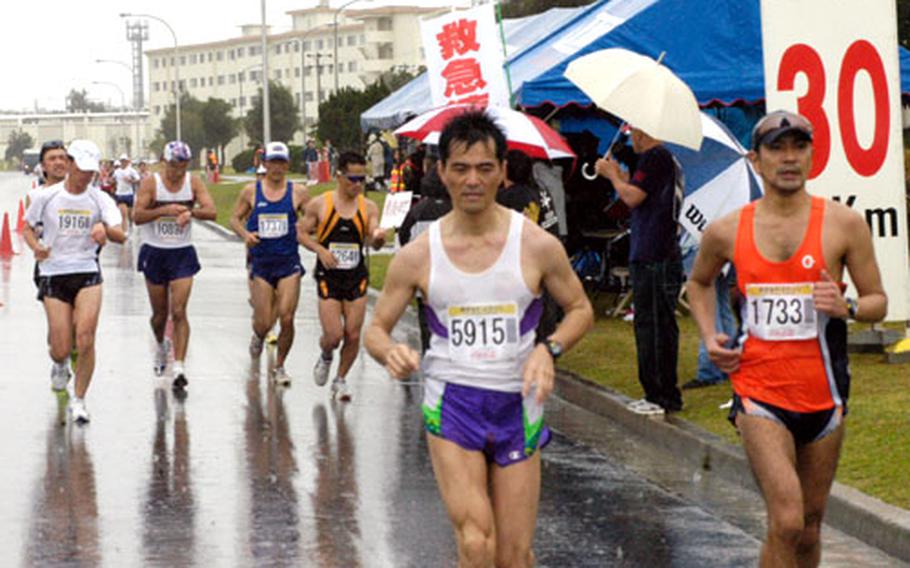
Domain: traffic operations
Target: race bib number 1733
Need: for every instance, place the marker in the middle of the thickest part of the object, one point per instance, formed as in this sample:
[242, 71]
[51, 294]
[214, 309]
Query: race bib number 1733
[781, 312]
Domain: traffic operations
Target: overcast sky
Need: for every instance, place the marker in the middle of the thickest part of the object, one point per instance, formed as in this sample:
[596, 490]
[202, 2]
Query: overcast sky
[50, 46]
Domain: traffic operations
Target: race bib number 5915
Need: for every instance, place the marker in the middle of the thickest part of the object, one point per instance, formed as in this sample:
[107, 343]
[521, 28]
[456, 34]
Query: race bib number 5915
[485, 332]
[781, 312]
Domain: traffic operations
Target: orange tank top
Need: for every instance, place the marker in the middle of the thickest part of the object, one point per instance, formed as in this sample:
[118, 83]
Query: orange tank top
[782, 363]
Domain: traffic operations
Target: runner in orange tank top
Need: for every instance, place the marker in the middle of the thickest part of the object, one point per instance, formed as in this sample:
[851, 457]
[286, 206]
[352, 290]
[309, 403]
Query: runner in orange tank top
[789, 364]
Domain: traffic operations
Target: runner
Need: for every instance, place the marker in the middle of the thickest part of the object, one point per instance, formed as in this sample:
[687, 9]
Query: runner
[126, 180]
[265, 217]
[75, 219]
[343, 221]
[165, 205]
[481, 269]
[54, 163]
[789, 365]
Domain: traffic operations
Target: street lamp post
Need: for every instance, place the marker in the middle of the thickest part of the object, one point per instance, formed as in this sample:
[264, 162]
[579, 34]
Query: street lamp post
[136, 109]
[300, 42]
[335, 41]
[176, 61]
[243, 73]
[116, 86]
[266, 114]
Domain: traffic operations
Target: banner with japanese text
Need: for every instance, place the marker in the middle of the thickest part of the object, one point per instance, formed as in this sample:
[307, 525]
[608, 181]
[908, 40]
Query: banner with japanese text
[464, 58]
[847, 83]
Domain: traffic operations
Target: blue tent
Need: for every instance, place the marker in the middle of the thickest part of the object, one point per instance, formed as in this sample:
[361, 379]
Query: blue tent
[715, 46]
[414, 97]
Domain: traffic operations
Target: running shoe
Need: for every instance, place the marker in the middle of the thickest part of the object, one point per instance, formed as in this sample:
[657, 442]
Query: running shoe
[255, 346]
[645, 407]
[321, 371]
[341, 390]
[78, 413]
[179, 385]
[60, 376]
[161, 356]
[281, 377]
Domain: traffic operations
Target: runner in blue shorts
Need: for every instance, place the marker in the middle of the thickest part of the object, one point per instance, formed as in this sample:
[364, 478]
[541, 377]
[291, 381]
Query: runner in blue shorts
[265, 217]
[481, 270]
[126, 180]
[165, 206]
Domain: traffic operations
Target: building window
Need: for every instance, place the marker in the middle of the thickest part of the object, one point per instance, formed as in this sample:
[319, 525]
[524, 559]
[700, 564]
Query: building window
[352, 40]
[243, 101]
[193, 82]
[255, 75]
[278, 74]
[232, 78]
[193, 59]
[173, 61]
[278, 49]
[308, 71]
[307, 45]
[157, 109]
[211, 81]
[296, 47]
[363, 39]
[319, 44]
[221, 79]
[183, 60]
[309, 96]
[386, 51]
[231, 54]
[297, 72]
[384, 24]
[155, 63]
[234, 103]
[219, 56]
[352, 66]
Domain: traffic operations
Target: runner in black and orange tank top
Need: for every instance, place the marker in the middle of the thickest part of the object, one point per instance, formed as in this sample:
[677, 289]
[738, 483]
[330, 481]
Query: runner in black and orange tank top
[789, 364]
[336, 226]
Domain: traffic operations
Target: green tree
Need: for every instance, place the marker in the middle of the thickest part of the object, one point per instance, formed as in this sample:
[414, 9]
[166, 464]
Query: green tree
[903, 22]
[192, 129]
[78, 101]
[285, 118]
[219, 126]
[339, 115]
[17, 142]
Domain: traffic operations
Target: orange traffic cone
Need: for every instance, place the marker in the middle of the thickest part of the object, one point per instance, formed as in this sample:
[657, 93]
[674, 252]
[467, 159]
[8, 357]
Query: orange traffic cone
[20, 222]
[6, 240]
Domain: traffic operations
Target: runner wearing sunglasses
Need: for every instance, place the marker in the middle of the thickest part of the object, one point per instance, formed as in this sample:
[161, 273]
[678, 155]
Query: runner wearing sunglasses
[165, 206]
[336, 226]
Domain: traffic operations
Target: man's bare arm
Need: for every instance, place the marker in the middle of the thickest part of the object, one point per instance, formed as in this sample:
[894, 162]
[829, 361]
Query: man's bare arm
[872, 303]
[143, 208]
[400, 285]
[205, 209]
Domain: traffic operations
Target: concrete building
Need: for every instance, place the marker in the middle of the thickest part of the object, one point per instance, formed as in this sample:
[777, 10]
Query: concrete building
[370, 42]
[115, 133]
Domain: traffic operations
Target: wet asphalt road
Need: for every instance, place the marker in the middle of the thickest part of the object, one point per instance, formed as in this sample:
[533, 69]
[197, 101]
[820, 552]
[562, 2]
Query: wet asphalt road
[244, 474]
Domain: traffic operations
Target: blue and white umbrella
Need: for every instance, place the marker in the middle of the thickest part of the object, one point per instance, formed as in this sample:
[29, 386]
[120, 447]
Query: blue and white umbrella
[719, 177]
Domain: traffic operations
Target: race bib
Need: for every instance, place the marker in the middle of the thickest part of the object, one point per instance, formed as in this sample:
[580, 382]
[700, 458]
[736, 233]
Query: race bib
[781, 312]
[347, 255]
[74, 222]
[273, 225]
[167, 229]
[483, 332]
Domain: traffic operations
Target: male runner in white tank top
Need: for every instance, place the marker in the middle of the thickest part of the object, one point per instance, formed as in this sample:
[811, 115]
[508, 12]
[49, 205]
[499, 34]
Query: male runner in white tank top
[165, 207]
[481, 269]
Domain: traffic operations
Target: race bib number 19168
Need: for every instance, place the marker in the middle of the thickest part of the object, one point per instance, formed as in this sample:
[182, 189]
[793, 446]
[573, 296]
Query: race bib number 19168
[781, 312]
[481, 333]
[74, 222]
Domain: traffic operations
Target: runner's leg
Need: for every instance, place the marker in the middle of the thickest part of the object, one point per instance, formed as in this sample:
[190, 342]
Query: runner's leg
[288, 294]
[158, 300]
[816, 464]
[772, 456]
[354, 314]
[263, 297]
[124, 214]
[59, 329]
[180, 295]
[332, 327]
[462, 478]
[516, 493]
[85, 318]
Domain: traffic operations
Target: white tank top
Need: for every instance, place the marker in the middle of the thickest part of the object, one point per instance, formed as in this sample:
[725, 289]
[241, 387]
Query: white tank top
[164, 232]
[483, 324]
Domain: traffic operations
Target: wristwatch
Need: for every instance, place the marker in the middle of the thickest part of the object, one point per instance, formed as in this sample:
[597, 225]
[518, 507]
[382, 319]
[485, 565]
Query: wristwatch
[554, 348]
[852, 306]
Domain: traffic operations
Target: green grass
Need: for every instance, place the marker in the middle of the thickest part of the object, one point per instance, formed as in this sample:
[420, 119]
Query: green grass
[874, 459]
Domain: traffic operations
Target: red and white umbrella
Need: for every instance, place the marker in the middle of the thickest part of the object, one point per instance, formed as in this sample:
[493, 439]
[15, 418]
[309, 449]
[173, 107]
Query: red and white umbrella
[523, 132]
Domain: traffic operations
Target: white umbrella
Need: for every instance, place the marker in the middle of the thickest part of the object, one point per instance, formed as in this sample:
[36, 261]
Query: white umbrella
[640, 91]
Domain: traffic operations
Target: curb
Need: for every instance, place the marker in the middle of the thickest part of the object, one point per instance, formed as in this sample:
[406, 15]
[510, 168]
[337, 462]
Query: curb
[849, 510]
[223, 232]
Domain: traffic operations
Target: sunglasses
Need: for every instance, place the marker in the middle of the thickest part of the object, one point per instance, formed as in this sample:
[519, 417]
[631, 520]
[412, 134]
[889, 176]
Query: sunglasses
[356, 179]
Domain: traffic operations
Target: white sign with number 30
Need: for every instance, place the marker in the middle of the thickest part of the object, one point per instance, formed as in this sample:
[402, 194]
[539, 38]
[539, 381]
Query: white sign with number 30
[836, 63]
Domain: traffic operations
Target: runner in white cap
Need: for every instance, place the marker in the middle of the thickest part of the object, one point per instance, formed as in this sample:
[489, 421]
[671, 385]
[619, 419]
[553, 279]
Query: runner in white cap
[165, 205]
[76, 219]
[126, 180]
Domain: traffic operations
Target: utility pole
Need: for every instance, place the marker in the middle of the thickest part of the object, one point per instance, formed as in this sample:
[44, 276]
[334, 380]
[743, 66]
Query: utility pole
[317, 56]
[266, 111]
[136, 33]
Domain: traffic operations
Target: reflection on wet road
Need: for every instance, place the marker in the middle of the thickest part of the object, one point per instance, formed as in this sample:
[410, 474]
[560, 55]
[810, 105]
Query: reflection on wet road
[244, 474]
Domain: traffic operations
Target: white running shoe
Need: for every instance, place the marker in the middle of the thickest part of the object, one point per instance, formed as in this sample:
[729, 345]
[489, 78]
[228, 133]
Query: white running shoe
[161, 356]
[255, 346]
[78, 413]
[341, 390]
[281, 377]
[60, 376]
[321, 371]
[645, 407]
